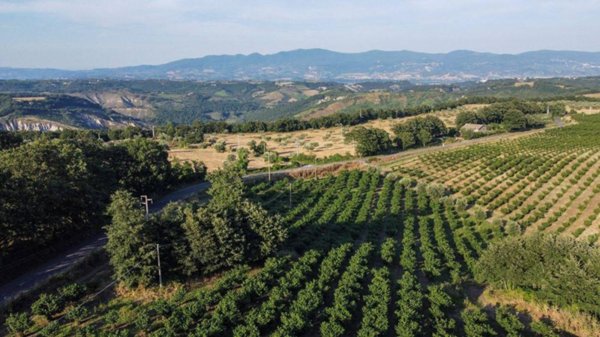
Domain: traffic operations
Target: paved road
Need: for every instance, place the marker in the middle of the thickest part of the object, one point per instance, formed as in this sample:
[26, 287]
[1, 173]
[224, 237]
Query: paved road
[66, 260]
[62, 262]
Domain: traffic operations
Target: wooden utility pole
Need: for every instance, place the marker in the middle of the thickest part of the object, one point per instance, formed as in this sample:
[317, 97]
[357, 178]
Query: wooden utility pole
[158, 260]
[146, 201]
[290, 194]
[269, 164]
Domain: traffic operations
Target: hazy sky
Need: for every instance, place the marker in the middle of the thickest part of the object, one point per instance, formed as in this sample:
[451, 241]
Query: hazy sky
[79, 34]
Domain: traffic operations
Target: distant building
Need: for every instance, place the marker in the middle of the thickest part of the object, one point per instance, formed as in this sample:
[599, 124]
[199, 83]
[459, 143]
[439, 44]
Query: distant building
[474, 127]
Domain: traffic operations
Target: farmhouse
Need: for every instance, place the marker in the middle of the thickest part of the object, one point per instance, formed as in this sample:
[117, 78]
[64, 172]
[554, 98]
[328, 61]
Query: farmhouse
[474, 127]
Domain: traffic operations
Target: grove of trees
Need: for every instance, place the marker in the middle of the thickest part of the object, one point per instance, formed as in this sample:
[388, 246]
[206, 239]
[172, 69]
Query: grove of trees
[558, 269]
[512, 115]
[227, 232]
[420, 131]
[354, 263]
[55, 190]
[369, 141]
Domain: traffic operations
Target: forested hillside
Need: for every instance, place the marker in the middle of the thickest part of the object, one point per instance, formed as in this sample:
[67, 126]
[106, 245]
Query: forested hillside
[183, 102]
[327, 65]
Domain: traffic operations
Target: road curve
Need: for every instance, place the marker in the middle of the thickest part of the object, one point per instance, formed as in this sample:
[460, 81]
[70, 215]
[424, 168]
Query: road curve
[63, 261]
[68, 259]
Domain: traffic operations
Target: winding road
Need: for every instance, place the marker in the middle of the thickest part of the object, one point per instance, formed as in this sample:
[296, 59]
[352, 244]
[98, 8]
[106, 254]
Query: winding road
[66, 260]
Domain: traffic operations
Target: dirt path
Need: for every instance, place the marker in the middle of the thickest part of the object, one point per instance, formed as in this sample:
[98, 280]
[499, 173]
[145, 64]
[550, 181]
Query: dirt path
[388, 160]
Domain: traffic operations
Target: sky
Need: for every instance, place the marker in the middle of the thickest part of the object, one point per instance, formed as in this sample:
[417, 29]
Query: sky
[79, 34]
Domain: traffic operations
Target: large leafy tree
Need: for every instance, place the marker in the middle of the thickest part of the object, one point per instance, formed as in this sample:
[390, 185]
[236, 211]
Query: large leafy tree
[369, 141]
[230, 229]
[514, 120]
[142, 165]
[466, 117]
[47, 190]
[130, 241]
[421, 131]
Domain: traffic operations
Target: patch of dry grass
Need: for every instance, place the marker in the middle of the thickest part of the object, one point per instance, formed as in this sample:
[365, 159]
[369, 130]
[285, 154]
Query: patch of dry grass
[329, 141]
[577, 323]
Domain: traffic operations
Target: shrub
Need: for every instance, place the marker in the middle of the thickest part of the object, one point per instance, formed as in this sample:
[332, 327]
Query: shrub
[46, 305]
[509, 322]
[220, 146]
[50, 330]
[72, 292]
[543, 329]
[17, 323]
[77, 314]
[388, 250]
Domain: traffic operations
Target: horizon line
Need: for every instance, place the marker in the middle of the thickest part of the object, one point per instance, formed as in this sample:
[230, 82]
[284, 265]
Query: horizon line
[295, 50]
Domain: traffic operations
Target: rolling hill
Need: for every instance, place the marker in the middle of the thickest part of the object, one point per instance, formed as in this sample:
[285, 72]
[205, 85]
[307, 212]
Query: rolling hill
[57, 112]
[116, 103]
[325, 65]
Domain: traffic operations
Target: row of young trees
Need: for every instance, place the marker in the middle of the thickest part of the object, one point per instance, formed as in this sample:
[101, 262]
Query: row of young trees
[52, 190]
[304, 308]
[346, 294]
[345, 287]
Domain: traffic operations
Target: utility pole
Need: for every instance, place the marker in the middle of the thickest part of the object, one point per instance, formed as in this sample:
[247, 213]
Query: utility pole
[290, 194]
[153, 136]
[158, 259]
[145, 202]
[269, 164]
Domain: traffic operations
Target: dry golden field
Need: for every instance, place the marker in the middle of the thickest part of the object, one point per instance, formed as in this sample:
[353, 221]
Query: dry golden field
[326, 142]
[584, 107]
[593, 95]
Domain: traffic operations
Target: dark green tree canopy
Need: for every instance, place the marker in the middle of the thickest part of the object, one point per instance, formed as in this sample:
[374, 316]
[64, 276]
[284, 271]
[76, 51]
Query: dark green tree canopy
[230, 229]
[55, 190]
[556, 268]
[197, 239]
[418, 131]
[369, 141]
[130, 244]
[514, 120]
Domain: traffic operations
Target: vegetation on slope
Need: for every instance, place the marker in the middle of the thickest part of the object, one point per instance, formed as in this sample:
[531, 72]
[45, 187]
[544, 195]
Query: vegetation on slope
[560, 270]
[543, 182]
[183, 102]
[53, 192]
[341, 277]
[66, 110]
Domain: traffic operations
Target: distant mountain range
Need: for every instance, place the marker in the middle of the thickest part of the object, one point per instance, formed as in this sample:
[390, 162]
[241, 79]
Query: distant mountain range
[325, 65]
